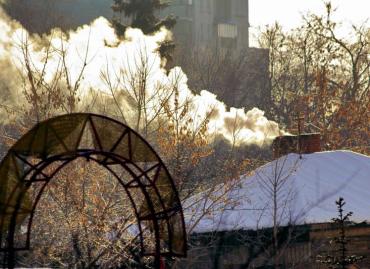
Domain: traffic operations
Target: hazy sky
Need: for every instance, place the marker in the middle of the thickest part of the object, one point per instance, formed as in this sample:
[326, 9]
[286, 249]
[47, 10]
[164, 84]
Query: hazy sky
[289, 12]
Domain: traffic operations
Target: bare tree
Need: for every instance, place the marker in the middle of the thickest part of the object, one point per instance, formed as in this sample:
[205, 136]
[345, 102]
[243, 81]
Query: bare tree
[325, 77]
[80, 222]
[240, 80]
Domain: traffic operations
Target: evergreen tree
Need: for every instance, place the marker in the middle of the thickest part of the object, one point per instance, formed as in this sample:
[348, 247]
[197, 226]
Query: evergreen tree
[142, 14]
[340, 260]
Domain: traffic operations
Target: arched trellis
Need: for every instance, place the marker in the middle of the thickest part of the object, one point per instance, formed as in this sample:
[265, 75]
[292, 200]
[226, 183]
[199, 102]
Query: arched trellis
[108, 142]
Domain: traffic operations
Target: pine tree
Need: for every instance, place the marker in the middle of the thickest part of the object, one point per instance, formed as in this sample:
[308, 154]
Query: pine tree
[142, 15]
[340, 260]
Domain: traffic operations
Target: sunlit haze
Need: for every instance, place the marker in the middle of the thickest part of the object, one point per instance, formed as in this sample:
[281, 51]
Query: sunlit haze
[289, 13]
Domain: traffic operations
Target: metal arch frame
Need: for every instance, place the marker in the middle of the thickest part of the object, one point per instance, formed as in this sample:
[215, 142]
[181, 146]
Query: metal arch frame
[35, 173]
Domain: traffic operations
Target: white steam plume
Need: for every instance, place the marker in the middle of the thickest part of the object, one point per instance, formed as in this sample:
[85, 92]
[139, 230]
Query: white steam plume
[113, 67]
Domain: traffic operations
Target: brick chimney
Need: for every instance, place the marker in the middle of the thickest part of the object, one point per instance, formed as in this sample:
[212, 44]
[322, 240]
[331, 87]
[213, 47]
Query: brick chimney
[304, 144]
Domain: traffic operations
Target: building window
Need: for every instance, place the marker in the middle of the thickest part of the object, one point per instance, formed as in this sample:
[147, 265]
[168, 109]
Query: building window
[226, 30]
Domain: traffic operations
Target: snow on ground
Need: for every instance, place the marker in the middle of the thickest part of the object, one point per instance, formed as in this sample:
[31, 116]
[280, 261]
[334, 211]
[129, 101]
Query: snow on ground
[305, 188]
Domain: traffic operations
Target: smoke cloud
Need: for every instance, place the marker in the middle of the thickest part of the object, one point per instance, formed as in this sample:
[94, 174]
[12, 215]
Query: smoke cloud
[127, 74]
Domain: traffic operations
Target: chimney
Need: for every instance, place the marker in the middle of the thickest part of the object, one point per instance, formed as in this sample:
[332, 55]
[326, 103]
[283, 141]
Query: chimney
[301, 144]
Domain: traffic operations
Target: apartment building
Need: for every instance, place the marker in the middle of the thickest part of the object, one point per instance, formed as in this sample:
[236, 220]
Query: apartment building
[222, 24]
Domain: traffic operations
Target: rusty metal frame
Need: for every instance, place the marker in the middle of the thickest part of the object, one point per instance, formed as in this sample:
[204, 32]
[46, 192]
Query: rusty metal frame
[106, 158]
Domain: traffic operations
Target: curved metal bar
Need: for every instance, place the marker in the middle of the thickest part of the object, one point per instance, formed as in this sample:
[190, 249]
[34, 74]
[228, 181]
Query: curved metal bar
[70, 155]
[97, 161]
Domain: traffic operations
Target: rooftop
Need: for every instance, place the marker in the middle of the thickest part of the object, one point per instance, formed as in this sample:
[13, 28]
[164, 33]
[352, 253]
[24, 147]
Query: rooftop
[306, 190]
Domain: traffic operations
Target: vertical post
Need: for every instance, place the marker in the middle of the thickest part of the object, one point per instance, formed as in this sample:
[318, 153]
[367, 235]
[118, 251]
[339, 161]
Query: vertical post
[300, 123]
[12, 227]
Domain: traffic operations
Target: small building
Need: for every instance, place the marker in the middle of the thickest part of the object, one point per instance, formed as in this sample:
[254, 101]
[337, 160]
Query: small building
[253, 249]
[239, 232]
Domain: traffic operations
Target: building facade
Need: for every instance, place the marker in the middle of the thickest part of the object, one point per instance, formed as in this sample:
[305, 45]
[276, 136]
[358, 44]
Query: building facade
[209, 29]
[223, 24]
[299, 248]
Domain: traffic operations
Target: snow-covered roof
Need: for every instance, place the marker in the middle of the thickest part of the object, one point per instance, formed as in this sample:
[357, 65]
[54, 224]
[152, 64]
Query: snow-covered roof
[306, 189]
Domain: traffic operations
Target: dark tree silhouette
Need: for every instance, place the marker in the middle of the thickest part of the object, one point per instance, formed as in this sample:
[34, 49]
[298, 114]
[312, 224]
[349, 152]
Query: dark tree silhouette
[341, 259]
[142, 14]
